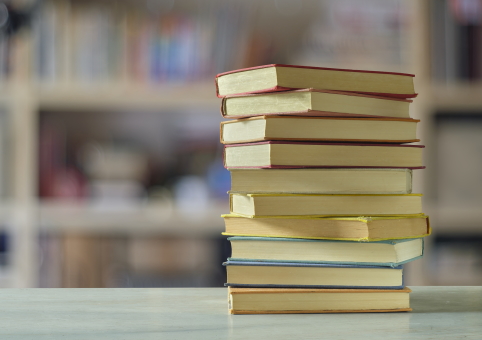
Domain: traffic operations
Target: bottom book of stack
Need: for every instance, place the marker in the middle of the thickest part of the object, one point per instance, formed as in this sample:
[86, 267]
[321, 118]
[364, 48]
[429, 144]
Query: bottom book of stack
[296, 300]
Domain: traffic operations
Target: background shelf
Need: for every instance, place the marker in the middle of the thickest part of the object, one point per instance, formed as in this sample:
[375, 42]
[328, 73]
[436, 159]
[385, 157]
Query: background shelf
[116, 76]
[114, 97]
[131, 219]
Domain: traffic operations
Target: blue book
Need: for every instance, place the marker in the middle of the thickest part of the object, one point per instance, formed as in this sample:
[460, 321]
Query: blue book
[392, 253]
[311, 275]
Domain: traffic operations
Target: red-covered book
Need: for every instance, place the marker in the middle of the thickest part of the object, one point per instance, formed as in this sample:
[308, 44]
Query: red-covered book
[316, 103]
[319, 129]
[279, 77]
[282, 154]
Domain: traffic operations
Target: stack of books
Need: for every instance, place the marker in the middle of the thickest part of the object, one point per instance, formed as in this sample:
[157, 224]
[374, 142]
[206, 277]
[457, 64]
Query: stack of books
[322, 214]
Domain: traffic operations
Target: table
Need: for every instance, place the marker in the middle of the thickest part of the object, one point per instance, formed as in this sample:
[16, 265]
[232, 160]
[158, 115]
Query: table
[201, 313]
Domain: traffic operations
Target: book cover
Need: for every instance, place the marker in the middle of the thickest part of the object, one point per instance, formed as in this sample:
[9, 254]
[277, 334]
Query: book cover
[343, 111]
[315, 205]
[354, 277]
[281, 88]
[326, 228]
[325, 157]
[302, 300]
[319, 244]
[321, 181]
[319, 129]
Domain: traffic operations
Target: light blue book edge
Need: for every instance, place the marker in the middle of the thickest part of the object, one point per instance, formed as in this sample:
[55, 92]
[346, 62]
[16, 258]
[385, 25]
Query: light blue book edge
[253, 238]
[350, 263]
[376, 264]
[248, 263]
[311, 286]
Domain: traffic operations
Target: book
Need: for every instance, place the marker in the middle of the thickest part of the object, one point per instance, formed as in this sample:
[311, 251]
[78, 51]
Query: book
[309, 275]
[324, 205]
[387, 130]
[295, 300]
[329, 228]
[311, 102]
[322, 181]
[282, 154]
[381, 253]
[279, 77]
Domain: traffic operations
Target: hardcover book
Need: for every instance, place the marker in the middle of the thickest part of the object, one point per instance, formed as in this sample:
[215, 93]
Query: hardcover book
[386, 130]
[279, 77]
[382, 253]
[311, 102]
[325, 205]
[330, 228]
[309, 275]
[280, 154]
[282, 300]
[322, 181]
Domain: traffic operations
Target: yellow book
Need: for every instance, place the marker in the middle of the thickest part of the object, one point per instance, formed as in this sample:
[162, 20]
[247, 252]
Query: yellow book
[250, 205]
[322, 181]
[329, 228]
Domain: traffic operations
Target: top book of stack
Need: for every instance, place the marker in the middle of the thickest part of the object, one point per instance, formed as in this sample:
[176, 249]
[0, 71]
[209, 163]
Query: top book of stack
[278, 77]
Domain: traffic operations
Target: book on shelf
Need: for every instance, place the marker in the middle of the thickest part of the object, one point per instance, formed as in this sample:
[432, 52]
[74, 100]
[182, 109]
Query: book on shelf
[310, 275]
[282, 154]
[322, 181]
[312, 102]
[251, 205]
[381, 253]
[279, 77]
[386, 130]
[128, 43]
[280, 301]
[331, 228]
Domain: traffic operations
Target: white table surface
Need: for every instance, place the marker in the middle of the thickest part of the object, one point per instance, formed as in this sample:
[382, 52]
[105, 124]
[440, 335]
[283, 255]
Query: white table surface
[201, 313]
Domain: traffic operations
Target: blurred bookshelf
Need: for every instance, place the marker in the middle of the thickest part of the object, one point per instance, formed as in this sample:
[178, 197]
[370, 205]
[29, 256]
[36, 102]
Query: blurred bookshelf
[132, 219]
[130, 80]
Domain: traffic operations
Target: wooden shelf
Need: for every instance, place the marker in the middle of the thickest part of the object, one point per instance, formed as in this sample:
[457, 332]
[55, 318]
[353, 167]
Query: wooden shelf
[455, 220]
[138, 219]
[60, 96]
[107, 97]
[456, 97]
[7, 209]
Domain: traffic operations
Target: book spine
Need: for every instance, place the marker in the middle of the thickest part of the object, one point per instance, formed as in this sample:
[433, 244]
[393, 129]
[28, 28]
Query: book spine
[134, 44]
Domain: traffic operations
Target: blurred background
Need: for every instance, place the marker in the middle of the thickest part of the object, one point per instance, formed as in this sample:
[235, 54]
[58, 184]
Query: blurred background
[110, 164]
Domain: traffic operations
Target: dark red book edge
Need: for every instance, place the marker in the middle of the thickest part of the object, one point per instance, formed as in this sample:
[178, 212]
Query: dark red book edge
[309, 112]
[280, 88]
[274, 166]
